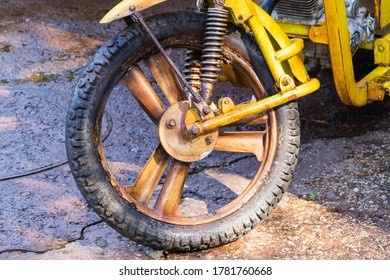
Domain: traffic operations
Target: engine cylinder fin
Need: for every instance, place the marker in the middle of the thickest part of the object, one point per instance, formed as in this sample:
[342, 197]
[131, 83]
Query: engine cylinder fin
[305, 9]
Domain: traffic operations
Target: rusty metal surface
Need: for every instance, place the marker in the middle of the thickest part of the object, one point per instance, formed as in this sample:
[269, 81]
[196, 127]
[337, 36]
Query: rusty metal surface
[166, 78]
[147, 182]
[143, 92]
[199, 102]
[177, 140]
[242, 142]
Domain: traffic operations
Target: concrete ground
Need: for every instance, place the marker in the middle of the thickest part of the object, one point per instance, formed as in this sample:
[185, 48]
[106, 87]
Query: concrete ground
[337, 206]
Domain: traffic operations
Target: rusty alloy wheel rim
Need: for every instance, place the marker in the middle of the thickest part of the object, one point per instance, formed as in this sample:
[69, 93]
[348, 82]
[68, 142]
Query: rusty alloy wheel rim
[246, 195]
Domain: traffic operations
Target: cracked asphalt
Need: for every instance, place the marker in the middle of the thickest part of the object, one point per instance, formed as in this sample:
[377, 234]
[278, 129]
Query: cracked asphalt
[336, 208]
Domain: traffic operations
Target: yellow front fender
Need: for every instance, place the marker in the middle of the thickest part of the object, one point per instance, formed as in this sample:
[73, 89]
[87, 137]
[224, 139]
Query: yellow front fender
[127, 7]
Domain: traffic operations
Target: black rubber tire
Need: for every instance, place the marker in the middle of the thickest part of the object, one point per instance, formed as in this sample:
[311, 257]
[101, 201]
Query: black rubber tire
[82, 141]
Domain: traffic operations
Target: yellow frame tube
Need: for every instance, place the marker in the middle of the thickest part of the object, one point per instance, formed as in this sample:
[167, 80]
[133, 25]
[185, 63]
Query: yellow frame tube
[341, 56]
[267, 48]
[258, 107]
[294, 49]
[262, 20]
[384, 13]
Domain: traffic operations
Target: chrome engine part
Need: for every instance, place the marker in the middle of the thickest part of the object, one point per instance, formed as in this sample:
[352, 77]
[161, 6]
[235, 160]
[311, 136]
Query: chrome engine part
[361, 24]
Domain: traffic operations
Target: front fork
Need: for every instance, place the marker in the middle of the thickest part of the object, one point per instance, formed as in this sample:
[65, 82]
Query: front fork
[251, 17]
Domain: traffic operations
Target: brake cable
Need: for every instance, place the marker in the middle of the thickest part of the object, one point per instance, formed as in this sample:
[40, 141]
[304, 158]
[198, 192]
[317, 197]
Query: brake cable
[197, 99]
[57, 164]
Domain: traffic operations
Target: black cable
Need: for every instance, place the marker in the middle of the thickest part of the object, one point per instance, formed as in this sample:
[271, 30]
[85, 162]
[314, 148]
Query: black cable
[58, 164]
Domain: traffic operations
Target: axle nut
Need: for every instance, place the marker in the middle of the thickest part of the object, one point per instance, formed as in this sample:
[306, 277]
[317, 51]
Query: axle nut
[171, 123]
[207, 110]
[195, 130]
[209, 140]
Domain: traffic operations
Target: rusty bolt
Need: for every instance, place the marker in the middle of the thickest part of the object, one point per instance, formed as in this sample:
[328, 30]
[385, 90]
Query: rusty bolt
[195, 130]
[171, 123]
[209, 140]
[286, 81]
[207, 110]
[196, 100]
[132, 8]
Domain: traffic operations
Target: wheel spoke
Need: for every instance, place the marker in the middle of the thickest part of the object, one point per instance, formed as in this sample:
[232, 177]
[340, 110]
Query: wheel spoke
[165, 77]
[241, 142]
[150, 176]
[144, 93]
[169, 198]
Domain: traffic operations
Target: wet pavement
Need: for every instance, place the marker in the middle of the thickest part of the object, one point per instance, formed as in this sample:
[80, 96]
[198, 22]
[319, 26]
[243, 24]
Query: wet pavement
[337, 206]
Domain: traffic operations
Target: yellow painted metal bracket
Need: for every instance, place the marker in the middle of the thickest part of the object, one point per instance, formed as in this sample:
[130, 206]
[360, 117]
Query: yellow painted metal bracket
[319, 34]
[382, 50]
[240, 10]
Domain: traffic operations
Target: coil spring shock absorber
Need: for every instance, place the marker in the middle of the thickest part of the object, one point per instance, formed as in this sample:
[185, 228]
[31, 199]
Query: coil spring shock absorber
[216, 28]
[192, 69]
[193, 60]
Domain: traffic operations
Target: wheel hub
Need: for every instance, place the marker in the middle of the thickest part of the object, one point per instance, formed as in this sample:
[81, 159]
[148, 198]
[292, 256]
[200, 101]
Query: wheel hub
[176, 139]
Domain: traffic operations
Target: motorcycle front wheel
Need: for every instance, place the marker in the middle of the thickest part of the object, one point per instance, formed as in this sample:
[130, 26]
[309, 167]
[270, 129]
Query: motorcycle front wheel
[139, 185]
